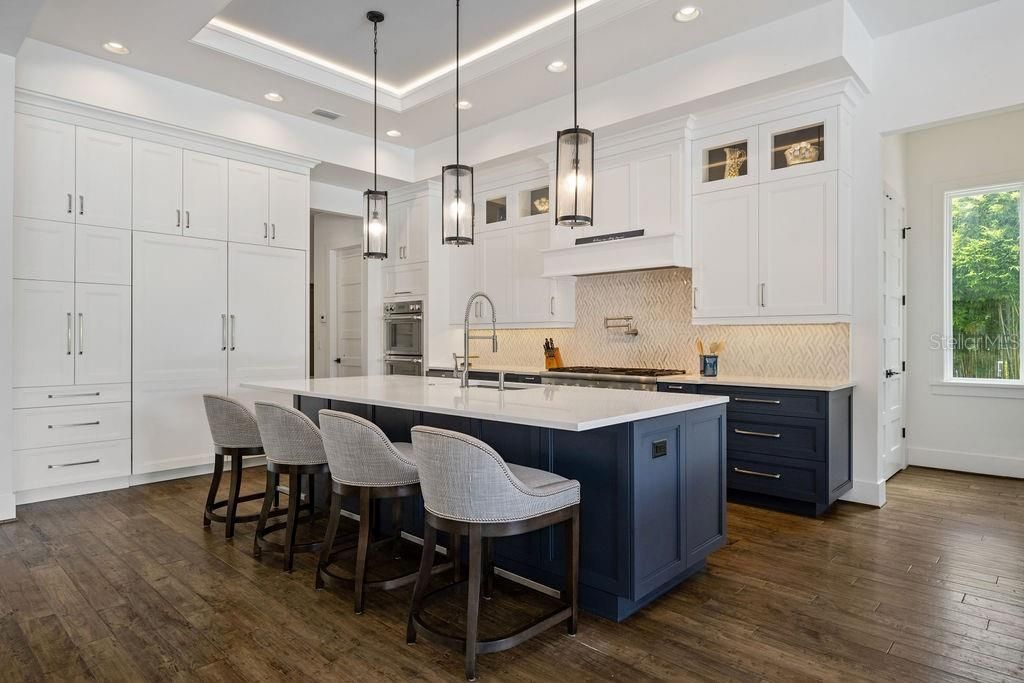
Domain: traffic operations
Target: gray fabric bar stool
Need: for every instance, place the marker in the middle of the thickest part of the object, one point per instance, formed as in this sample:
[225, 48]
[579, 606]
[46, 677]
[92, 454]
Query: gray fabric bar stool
[235, 436]
[366, 465]
[469, 489]
[294, 448]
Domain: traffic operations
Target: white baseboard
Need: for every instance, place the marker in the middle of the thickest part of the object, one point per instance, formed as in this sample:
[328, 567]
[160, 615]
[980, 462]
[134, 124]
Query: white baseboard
[7, 504]
[192, 471]
[68, 490]
[866, 493]
[960, 461]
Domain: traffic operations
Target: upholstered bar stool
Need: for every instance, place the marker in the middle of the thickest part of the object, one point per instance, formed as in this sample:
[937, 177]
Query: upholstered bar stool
[366, 465]
[235, 436]
[294, 448]
[468, 489]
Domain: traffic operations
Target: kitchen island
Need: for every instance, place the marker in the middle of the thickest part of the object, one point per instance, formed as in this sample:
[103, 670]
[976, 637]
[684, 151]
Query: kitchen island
[651, 468]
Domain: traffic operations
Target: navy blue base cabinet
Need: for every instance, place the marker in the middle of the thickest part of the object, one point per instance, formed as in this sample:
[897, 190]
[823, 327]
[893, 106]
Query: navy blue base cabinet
[787, 449]
[652, 498]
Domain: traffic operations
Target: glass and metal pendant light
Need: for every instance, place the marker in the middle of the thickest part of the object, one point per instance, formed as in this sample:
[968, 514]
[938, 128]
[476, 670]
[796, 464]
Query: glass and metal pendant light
[457, 179]
[375, 211]
[574, 160]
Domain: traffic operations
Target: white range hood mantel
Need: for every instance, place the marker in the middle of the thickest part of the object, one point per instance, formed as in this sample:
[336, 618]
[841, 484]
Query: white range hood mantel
[648, 252]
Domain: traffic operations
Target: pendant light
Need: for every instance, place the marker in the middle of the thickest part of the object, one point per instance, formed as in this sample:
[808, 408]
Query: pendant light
[574, 161]
[375, 211]
[457, 179]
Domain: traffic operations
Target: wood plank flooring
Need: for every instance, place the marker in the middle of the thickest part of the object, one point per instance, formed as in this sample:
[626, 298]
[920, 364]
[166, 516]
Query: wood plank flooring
[127, 585]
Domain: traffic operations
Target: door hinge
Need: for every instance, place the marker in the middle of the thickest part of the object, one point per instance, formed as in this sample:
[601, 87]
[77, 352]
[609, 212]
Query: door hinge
[904, 432]
[904, 232]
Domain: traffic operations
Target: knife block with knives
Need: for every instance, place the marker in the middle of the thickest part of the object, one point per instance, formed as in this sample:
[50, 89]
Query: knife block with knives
[552, 355]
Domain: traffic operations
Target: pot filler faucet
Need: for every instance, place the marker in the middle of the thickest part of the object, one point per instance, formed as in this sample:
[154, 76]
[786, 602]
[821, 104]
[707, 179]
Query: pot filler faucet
[466, 336]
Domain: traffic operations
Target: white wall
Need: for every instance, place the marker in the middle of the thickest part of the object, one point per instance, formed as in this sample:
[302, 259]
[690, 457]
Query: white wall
[6, 287]
[946, 428]
[894, 163]
[329, 232]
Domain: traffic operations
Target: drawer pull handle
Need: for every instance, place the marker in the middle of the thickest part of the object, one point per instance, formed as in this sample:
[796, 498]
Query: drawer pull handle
[90, 393]
[74, 424]
[767, 401]
[752, 473]
[74, 464]
[767, 435]
[676, 387]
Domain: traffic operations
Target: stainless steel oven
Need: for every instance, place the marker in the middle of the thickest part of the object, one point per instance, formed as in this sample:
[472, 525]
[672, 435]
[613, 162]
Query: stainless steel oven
[403, 338]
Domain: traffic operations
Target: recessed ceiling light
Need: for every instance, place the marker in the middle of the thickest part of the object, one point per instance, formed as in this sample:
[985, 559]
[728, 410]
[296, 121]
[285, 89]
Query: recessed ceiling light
[394, 133]
[116, 48]
[465, 104]
[688, 13]
[273, 97]
[557, 66]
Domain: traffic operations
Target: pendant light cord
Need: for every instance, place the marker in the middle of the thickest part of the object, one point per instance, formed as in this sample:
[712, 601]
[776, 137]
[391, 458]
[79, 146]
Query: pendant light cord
[457, 82]
[375, 106]
[575, 86]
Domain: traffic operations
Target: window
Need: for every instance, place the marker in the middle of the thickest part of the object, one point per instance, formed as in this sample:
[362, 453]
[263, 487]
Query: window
[983, 293]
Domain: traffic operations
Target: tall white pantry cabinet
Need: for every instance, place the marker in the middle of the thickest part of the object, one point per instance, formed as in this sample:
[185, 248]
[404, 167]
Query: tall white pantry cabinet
[132, 298]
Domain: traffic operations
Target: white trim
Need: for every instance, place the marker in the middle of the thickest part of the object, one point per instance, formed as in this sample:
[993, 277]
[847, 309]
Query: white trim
[7, 508]
[184, 472]
[866, 493]
[960, 461]
[775, 320]
[979, 387]
[69, 490]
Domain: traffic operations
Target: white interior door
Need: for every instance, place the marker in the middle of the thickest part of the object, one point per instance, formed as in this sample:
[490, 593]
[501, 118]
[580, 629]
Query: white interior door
[44, 155]
[205, 195]
[43, 333]
[894, 456]
[156, 187]
[348, 313]
[103, 178]
[248, 220]
[179, 348]
[103, 341]
[725, 253]
[267, 306]
[289, 210]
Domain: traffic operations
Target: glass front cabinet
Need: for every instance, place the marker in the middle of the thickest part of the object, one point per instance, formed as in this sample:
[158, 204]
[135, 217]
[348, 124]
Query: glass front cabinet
[799, 145]
[725, 161]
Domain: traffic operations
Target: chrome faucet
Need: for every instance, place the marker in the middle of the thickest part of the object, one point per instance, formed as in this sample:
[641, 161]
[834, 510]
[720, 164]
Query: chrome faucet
[466, 336]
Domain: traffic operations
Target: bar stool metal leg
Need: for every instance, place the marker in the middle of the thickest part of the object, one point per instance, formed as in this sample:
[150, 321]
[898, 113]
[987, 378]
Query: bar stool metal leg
[473, 600]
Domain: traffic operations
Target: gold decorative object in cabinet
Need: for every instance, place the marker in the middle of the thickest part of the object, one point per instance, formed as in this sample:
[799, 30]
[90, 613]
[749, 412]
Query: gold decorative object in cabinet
[800, 146]
[726, 161]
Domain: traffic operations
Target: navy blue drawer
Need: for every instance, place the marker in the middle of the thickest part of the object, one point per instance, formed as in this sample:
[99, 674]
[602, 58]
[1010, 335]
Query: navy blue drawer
[780, 477]
[787, 437]
[772, 401]
[677, 387]
[522, 378]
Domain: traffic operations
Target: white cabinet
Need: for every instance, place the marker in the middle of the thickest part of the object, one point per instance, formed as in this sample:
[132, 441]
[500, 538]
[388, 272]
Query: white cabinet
[103, 178]
[103, 255]
[248, 187]
[405, 281]
[461, 281]
[156, 187]
[408, 231]
[538, 299]
[205, 195]
[103, 351]
[43, 330]
[44, 250]
[613, 211]
[725, 253]
[289, 210]
[44, 159]
[495, 271]
[798, 238]
[803, 145]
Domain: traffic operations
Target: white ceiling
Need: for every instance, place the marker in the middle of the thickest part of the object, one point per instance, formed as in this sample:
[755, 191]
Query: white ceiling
[417, 38]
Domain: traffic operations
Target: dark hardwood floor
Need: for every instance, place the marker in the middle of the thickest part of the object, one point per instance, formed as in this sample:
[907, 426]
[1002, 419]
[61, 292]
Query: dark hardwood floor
[127, 585]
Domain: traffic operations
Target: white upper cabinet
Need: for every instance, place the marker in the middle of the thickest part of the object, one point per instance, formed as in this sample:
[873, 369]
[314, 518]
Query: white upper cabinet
[44, 333]
[156, 187]
[248, 187]
[800, 145]
[461, 281]
[495, 273]
[493, 210]
[408, 231]
[724, 161]
[103, 178]
[289, 210]
[539, 299]
[103, 340]
[103, 255]
[44, 156]
[44, 250]
[205, 195]
[613, 210]
[798, 240]
[725, 252]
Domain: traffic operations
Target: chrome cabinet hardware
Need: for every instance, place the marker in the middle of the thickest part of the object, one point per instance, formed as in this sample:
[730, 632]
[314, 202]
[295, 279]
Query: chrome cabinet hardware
[766, 435]
[265, 233]
[82, 395]
[223, 331]
[73, 464]
[403, 292]
[71, 202]
[69, 333]
[400, 318]
[769, 401]
[762, 295]
[752, 473]
[81, 205]
[551, 308]
[695, 290]
[232, 317]
[676, 387]
[188, 219]
[81, 333]
[404, 359]
[178, 211]
[74, 424]
[273, 231]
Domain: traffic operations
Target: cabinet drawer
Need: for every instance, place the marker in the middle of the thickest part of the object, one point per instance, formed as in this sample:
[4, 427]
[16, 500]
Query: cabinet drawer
[677, 387]
[73, 395]
[789, 437]
[774, 476]
[44, 427]
[522, 379]
[772, 401]
[46, 467]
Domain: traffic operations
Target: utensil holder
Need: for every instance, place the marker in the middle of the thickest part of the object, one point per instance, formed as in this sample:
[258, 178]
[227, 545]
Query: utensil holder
[709, 365]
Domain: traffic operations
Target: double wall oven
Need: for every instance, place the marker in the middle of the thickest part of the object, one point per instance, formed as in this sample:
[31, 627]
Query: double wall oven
[403, 338]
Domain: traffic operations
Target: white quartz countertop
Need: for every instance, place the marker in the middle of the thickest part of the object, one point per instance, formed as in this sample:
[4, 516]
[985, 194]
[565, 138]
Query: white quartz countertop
[574, 409]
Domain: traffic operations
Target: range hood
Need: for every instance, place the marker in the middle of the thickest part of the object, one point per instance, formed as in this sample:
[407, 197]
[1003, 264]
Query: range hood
[618, 254]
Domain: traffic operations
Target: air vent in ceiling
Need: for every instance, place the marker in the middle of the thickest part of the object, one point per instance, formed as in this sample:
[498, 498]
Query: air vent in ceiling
[327, 114]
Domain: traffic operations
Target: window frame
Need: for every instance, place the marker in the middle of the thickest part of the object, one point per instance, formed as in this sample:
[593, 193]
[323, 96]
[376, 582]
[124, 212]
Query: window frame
[947, 294]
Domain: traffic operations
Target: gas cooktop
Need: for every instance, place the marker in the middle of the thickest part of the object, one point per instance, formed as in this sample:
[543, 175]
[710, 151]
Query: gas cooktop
[626, 372]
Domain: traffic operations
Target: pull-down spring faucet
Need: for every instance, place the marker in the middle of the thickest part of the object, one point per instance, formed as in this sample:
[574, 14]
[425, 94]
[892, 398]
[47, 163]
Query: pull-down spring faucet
[466, 336]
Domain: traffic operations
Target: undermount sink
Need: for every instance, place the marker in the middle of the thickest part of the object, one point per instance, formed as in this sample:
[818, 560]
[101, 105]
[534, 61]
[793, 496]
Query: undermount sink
[495, 386]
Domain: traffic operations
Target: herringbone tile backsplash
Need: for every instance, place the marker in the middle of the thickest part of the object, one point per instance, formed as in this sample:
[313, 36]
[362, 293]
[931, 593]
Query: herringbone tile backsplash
[659, 301]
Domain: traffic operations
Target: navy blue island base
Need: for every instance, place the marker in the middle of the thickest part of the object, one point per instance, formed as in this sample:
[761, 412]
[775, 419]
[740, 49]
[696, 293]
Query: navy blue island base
[653, 497]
